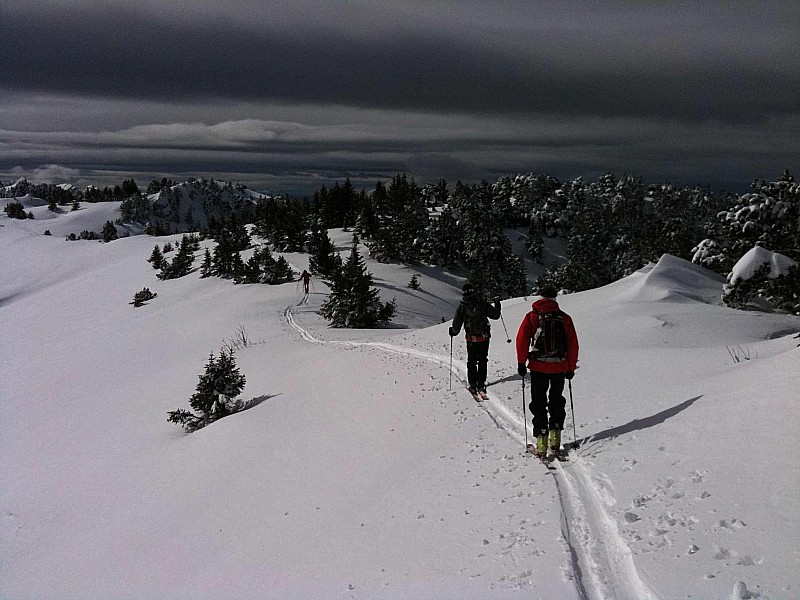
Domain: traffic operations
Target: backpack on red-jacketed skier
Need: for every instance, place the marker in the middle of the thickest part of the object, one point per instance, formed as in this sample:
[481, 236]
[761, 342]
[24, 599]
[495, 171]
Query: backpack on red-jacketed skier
[550, 340]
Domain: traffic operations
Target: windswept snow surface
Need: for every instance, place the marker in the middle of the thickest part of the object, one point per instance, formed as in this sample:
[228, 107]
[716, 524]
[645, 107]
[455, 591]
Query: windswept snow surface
[359, 473]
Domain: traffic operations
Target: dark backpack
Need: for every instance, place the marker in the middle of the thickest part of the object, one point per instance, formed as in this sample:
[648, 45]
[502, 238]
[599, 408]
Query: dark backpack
[550, 339]
[475, 320]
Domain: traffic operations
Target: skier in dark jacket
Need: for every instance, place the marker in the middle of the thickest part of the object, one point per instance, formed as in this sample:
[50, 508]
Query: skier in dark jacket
[549, 366]
[305, 277]
[473, 313]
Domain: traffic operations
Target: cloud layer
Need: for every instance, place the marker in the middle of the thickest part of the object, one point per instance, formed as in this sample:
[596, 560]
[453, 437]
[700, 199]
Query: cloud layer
[277, 88]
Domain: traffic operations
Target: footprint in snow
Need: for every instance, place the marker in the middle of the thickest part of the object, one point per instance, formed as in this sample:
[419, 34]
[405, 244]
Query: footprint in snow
[740, 592]
[722, 554]
[631, 517]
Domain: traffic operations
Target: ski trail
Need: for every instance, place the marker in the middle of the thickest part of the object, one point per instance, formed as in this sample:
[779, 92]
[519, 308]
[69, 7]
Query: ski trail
[602, 562]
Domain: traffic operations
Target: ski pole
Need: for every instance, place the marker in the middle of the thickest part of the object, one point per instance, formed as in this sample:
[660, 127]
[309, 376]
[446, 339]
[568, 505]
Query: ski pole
[451, 364]
[524, 413]
[575, 443]
[503, 321]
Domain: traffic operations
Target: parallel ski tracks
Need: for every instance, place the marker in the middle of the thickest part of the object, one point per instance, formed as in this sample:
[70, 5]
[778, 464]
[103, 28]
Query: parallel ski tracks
[602, 562]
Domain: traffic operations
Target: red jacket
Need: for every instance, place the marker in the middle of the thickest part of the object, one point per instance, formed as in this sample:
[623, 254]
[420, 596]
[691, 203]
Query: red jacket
[528, 329]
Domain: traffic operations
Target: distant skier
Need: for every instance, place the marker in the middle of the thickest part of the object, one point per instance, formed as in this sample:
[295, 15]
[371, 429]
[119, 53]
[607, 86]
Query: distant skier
[547, 342]
[473, 313]
[306, 279]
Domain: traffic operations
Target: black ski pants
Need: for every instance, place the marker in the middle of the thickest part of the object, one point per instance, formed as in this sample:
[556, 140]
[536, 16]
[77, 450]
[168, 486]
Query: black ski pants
[547, 395]
[477, 359]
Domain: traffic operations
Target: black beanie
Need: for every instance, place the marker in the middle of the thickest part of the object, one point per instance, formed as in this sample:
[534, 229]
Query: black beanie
[548, 291]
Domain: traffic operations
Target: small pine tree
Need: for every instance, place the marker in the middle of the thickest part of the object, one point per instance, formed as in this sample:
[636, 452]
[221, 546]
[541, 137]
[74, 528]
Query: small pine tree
[263, 268]
[282, 272]
[207, 268]
[323, 261]
[516, 280]
[353, 303]
[226, 260]
[181, 265]
[414, 283]
[215, 394]
[535, 241]
[15, 210]
[156, 258]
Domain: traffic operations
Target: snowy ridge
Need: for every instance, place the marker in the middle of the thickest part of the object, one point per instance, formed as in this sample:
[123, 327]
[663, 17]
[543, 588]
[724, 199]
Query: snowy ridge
[671, 279]
[603, 565]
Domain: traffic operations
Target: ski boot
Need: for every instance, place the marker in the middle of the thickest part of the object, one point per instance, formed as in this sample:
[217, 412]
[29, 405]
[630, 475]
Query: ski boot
[541, 446]
[555, 446]
[555, 441]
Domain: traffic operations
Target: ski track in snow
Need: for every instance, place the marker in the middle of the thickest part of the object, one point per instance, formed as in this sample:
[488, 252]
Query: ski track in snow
[602, 563]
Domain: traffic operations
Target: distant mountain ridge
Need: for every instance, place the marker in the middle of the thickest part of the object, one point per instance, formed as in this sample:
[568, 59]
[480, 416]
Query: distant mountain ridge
[191, 206]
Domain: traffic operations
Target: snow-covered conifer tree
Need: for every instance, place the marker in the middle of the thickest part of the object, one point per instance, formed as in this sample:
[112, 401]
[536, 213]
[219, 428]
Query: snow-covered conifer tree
[215, 394]
[353, 302]
[324, 260]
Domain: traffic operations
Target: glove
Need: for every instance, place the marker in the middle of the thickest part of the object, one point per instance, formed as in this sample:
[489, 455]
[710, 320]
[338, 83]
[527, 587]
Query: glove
[522, 369]
[451, 332]
[569, 374]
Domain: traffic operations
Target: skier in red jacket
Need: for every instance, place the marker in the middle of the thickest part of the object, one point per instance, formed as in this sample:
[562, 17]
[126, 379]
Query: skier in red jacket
[547, 342]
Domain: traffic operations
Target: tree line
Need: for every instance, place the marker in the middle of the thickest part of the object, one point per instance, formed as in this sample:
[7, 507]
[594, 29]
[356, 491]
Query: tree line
[611, 227]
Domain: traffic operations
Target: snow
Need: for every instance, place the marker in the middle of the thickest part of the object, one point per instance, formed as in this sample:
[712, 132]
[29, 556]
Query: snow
[754, 259]
[64, 220]
[358, 472]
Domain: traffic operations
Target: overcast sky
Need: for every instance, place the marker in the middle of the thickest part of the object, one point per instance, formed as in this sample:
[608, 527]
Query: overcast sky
[285, 95]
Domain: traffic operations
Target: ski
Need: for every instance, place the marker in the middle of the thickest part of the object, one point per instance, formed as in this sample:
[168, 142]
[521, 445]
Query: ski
[560, 456]
[475, 395]
[545, 460]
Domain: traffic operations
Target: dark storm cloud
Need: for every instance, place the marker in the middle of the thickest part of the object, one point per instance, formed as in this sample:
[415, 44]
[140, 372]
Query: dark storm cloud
[431, 63]
[286, 95]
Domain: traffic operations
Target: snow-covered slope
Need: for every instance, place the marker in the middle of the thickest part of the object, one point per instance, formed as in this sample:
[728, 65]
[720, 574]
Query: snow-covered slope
[64, 221]
[359, 473]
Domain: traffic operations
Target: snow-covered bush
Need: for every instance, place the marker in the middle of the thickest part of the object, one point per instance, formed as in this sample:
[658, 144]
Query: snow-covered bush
[765, 280]
[139, 298]
[709, 254]
[769, 216]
